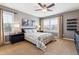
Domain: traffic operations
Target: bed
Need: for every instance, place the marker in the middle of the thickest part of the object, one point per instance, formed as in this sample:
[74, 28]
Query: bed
[40, 39]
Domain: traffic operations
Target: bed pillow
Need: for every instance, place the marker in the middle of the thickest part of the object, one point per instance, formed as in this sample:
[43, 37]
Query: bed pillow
[34, 30]
[28, 30]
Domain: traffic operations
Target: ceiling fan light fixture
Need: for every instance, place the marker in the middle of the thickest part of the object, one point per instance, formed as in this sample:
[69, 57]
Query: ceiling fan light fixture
[44, 10]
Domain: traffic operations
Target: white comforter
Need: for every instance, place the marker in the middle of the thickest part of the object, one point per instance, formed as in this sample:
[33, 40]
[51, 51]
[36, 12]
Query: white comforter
[38, 39]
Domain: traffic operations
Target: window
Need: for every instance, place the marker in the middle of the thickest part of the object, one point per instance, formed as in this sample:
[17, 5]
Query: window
[46, 25]
[7, 21]
[50, 24]
[54, 24]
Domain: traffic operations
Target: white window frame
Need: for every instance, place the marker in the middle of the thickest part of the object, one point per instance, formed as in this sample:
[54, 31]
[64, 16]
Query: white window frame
[9, 13]
[49, 21]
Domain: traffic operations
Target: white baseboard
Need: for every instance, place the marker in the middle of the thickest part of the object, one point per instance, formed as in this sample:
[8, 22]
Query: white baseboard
[68, 39]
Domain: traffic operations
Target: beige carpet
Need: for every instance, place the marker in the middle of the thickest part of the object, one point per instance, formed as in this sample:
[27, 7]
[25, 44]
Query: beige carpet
[60, 47]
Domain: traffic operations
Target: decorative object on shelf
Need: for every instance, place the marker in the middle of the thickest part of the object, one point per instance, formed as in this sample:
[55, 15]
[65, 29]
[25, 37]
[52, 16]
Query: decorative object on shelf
[72, 24]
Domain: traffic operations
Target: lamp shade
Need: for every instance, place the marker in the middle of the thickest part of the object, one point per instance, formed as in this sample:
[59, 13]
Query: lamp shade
[16, 25]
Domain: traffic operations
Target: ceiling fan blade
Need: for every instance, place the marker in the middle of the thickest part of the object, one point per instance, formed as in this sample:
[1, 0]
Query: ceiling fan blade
[40, 5]
[51, 5]
[38, 9]
[49, 10]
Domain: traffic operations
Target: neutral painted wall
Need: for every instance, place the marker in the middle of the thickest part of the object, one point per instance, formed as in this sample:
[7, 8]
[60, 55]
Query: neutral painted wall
[69, 15]
[18, 19]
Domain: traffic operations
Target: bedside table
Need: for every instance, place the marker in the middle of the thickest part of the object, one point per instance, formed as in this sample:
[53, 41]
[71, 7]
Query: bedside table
[14, 38]
[39, 31]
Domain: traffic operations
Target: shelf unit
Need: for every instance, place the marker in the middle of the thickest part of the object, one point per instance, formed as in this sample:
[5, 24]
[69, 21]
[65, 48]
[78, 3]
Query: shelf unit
[72, 24]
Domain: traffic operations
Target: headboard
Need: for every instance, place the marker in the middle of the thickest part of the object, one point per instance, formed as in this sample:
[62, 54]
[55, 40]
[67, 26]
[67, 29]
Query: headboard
[22, 30]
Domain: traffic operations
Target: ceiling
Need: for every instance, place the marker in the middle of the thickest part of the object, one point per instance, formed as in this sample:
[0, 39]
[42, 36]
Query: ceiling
[30, 7]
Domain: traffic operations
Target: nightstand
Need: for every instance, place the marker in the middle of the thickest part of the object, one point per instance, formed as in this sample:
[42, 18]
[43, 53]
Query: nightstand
[14, 38]
[39, 31]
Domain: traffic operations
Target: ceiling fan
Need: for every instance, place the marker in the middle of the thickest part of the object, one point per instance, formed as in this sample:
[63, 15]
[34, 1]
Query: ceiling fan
[45, 7]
